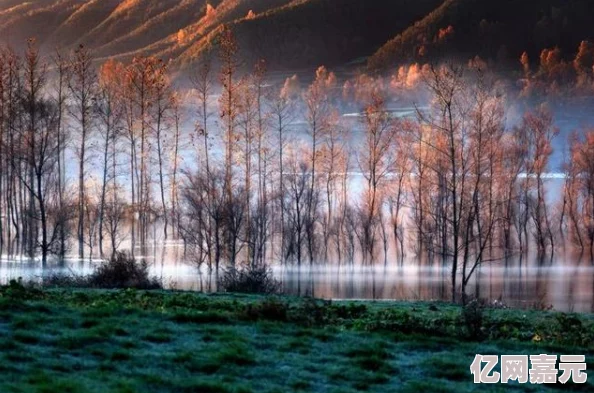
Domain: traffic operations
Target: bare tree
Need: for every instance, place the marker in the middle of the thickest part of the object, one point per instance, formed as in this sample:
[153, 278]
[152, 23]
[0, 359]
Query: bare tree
[282, 107]
[142, 77]
[297, 205]
[318, 108]
[446, 120]
[202, 82]
[175, 163]
[61, 66]
[83, 91]
[162, 121]
[110, 112]
[540, 130]
[39, 151]
[229, 100]
[376, 161]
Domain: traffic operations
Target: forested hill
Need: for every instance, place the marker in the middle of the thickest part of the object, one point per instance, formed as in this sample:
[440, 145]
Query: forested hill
[288, 34]
[498, 31]
[302, 34]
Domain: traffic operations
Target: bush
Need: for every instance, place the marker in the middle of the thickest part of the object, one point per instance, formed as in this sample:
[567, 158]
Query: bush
[473, 319]
[62, 280]
[313, 312]
[249, 279]
[121, 271]
[270, 309]
[17, 290]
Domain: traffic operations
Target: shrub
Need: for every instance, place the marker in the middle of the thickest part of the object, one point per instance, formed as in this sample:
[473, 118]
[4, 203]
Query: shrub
[473, 318]
[269, 309]
[17, 290]
[313, 312]
[350, 311]
[62, 280]
[121, 271]
[572, 331]
[249, 279]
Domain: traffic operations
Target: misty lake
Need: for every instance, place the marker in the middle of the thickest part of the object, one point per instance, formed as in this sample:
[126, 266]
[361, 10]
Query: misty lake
[563, 282]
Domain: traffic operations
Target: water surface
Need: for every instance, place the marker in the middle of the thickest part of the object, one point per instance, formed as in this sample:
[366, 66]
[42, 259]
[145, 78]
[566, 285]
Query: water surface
[564, 283]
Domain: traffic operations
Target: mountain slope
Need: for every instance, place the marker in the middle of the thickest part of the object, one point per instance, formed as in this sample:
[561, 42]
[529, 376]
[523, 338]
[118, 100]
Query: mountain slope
[125, 18]
[288, 34]
[85, 18]
[38, 19]
[199, 33]
[499, 30]
[170, 21]
[306, 33]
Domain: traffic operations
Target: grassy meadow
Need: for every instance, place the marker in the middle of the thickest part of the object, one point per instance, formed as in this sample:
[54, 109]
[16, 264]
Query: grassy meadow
[83, 340]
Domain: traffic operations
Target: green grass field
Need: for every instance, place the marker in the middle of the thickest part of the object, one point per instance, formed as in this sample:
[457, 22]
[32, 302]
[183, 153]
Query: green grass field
[132, 341]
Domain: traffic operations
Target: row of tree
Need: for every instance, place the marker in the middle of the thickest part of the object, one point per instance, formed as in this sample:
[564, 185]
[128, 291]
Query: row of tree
[451, 181]
[275, 172]
[63, 111]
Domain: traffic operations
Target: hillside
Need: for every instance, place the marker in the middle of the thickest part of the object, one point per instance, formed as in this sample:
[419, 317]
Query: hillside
[21, 20]
[303, 34]
[495, 30]
[289, 34]
[189, 41]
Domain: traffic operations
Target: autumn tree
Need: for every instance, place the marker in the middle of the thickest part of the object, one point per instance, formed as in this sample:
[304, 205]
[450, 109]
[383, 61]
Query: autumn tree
[202, 81]
[162, 122]
[61, 97]
[318, 107]
[282, 107]
[540, 132]
[83, 91]
[446, 86]
[376, 161]
[38, 151]
[142, 77]
[229, 100]
[110, 114]
[580, 186]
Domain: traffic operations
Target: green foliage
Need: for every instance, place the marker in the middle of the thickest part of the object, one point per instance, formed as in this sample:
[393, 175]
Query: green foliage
[270, 308]
[472, 319]
[442, 366]
[200, 317]
[374, 357]
[135, 340]
[17, 290]
[572, 330]
[237, 354]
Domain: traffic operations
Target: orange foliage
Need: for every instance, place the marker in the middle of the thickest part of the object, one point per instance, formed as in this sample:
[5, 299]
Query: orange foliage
[445, 33]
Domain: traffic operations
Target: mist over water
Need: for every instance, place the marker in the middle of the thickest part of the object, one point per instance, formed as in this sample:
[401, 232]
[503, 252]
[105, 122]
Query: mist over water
[563, 282]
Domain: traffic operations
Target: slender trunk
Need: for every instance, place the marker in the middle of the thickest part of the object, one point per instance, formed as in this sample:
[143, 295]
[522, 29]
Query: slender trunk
[81, 194]
[42, 213]
[104, 186]
[174, 188]
[161, 177]
[281, 185]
